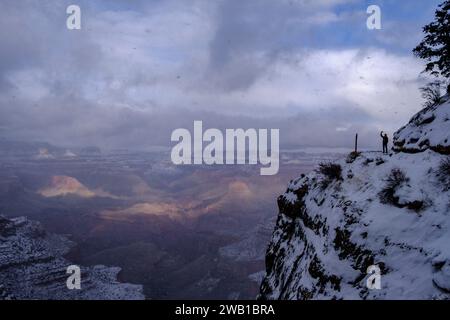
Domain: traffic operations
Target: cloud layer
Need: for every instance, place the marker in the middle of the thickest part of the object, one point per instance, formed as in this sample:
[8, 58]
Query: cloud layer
[138, 70]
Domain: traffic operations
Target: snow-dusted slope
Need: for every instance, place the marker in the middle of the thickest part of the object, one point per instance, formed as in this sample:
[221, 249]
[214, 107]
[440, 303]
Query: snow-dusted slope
[32, 267]
[428, 129]
[390, 211]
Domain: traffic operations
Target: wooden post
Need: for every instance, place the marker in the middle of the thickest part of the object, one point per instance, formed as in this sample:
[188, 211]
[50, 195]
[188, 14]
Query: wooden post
[356, 143]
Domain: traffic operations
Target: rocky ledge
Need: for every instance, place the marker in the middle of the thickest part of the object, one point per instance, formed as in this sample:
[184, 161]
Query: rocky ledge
[32, 266]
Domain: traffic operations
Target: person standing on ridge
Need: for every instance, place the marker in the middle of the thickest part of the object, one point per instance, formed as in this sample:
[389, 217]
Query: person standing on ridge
[385, 142]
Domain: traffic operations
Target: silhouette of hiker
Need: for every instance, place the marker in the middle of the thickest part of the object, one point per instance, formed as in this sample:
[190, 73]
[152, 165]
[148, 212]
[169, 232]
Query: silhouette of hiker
[385, 142]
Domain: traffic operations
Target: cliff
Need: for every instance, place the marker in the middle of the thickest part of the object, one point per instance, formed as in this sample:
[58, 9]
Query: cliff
[390, 211]
[32, 266]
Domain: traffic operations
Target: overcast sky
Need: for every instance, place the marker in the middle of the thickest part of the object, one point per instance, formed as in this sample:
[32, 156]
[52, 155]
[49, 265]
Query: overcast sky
[139, 69]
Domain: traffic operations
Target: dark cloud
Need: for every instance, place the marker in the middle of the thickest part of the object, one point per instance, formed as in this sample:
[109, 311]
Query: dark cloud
[71, 121]
[138, 70]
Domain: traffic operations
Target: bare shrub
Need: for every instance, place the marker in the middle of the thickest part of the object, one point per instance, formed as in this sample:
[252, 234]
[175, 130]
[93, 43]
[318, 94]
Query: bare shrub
[352, 156]
[395, 179]
[432, 94]
[330, 171]
[444, 172]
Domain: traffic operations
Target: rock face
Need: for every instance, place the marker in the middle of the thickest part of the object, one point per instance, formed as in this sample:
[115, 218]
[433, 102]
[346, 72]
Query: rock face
[32, 266]
[428, 129]
[389, 211]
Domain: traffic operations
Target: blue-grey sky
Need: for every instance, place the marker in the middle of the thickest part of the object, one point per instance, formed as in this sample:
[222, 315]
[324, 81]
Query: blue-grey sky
[139, 69]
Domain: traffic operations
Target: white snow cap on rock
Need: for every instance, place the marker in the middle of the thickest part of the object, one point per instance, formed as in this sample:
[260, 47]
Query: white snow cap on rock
[428, 129]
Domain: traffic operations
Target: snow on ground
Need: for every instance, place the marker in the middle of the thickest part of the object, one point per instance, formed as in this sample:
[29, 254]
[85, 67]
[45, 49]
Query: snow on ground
[33, 266]
[325, 239]
[390, 211]
[428, 129]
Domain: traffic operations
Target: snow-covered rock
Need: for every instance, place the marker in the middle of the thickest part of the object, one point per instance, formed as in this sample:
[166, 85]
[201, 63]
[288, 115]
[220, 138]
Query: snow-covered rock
[389, 211]
[32, 266]
[428, 129]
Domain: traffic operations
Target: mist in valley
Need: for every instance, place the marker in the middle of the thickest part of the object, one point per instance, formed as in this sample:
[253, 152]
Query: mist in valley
[184, 232]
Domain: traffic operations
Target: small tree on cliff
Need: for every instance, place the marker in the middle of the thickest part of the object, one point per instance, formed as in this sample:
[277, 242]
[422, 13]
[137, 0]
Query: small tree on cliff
[435, 47]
